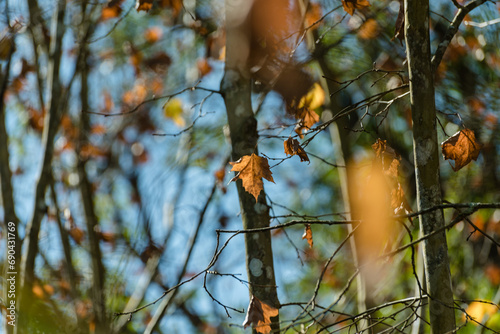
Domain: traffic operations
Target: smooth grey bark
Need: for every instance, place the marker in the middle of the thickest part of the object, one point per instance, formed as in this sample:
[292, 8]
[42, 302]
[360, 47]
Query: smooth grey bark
[236, 90]
[426, 156]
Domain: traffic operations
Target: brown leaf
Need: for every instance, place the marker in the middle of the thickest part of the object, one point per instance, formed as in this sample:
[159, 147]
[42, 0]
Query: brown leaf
[351, 5]
[399, 33]
[159, 62]
[307, 117]
[389, 161]
[308, 235]
[252, 169]
[144, 5]
[77, 234]
[461, 147]
[292, 147]
[259, 316]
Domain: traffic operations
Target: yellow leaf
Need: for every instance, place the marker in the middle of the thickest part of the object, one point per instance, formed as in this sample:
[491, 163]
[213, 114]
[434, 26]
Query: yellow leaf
[314, 98]
[252, 169]
[173, 109]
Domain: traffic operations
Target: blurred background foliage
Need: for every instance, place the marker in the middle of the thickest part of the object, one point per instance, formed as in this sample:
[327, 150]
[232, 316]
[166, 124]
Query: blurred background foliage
[157, 144]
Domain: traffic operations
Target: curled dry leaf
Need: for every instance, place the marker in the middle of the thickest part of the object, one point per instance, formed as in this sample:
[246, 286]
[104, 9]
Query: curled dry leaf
[308, 235]
[389, 161]
[292, 147]
[252, 169]
[461, 147]
[399, 33]
[259, 315]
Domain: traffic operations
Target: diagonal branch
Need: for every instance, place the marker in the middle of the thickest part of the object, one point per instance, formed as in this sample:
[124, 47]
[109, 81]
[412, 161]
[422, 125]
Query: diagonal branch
[452, 30]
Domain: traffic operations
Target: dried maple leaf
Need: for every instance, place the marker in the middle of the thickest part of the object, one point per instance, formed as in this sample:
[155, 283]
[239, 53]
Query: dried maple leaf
[308, 235]
[252, 169]
[461, 147]
[351, 5]
[259, 316]
[292, 147]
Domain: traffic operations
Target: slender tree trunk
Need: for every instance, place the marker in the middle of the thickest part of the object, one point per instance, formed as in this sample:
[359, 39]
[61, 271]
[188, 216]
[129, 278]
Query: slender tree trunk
[98, 273]
[13, 243]
[426, 156]
[236, 90]
[51, 125]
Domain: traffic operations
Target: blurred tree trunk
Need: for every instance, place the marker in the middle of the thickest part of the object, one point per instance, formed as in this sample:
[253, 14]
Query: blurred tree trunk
[236, 90]
[426, 156]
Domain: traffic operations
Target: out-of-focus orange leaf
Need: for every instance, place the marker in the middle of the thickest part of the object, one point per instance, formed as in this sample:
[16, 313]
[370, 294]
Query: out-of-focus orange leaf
[203, 66]
[462, 147]
[153, 34]
[113, 9]
[308, 235]
[259, 316]
[98, 129]
[313, 14]
[136, 95]
[77, 234]
[48, 289]
[292, 147]
[144, 5]
[369, 29]
[399, 32]
[159, 62]
[36, 119]
[108, 103]
[89, 150]
[492, 272]
[173, 109]
[219, 178]
[478, 310]
[174, 5]
[38, 291]
[351, 5]
[252, 169]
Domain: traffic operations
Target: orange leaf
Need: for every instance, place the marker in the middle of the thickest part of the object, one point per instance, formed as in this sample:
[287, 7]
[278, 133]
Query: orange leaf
[308, 235]
[369, 29]
[308, 118]
[112, 10]
[461, 147]
[259, 316]
[292, 147]
[351, 5]
[77, 234]
[144, 5]
[252, 169]
[153, 34]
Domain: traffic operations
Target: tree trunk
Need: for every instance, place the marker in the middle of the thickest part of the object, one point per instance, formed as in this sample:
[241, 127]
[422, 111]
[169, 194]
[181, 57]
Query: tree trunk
[426, 156]
[236, 90]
